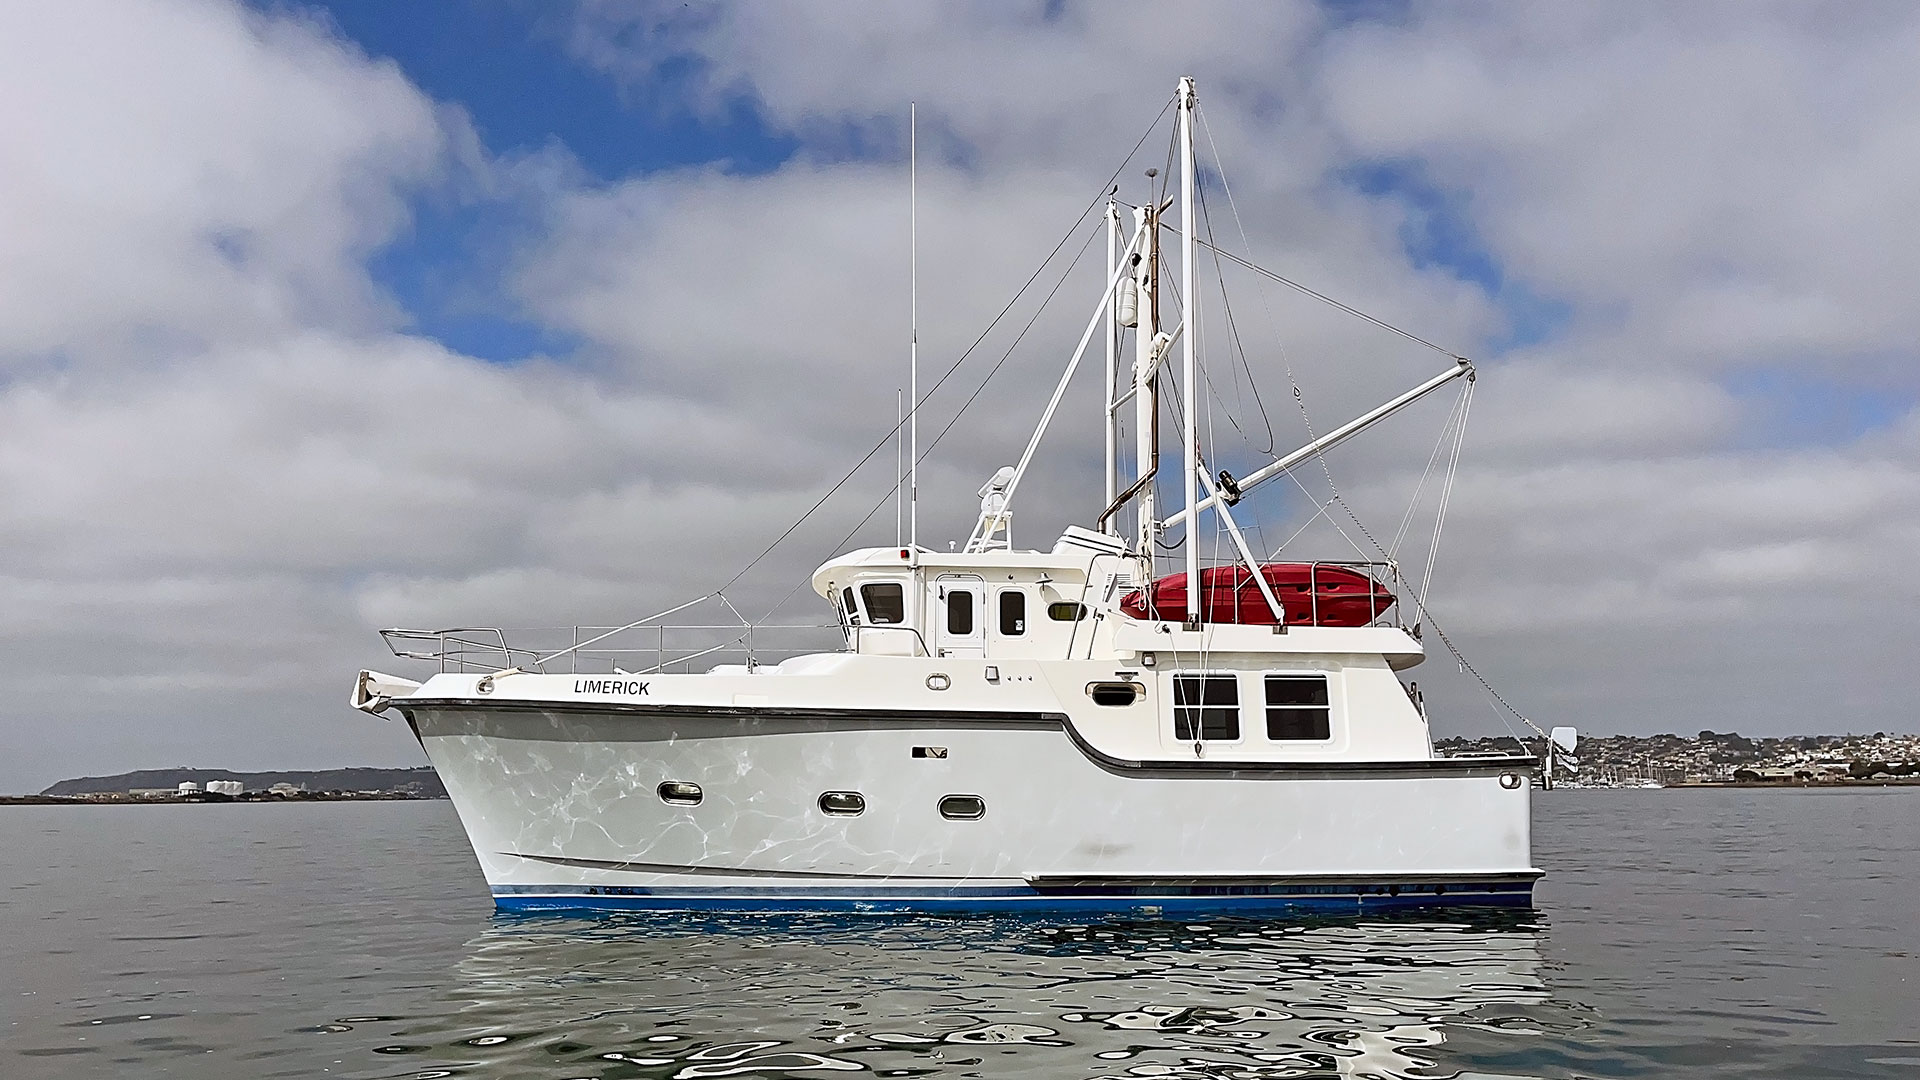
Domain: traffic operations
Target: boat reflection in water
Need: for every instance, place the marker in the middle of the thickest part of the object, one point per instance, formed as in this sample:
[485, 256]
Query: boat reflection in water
[697, 997]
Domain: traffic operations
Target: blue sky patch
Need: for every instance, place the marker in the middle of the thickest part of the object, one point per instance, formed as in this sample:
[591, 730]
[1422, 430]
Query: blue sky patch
[1798, 408]
[507, 63]
[1437, 231]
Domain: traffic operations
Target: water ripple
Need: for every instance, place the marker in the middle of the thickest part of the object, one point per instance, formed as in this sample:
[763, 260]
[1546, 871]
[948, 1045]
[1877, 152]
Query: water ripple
[1743, 934]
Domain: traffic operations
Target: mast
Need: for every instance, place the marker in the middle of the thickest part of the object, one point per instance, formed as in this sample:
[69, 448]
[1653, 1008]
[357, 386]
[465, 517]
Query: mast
[1146, 391]
[1190, 330]
[913, 326]
[1113, 347]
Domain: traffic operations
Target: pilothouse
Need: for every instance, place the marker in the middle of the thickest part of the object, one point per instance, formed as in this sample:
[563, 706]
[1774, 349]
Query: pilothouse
[1087, 727]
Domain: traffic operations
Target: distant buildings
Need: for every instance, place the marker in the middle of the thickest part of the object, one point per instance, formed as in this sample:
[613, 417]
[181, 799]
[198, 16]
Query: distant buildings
[1717, 757]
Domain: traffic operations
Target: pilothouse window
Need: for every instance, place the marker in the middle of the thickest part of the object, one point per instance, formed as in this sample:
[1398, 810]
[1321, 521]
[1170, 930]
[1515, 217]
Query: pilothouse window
[959, 612]
[886, 602]
[1013, 613]
[1297, 708]
[1206, 707]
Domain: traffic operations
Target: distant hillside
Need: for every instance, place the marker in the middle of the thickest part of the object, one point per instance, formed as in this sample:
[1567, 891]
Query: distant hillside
[422, 780]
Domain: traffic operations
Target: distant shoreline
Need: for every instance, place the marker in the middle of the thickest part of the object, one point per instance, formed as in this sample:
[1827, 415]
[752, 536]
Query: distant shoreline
[1777, 785]
[211, 799]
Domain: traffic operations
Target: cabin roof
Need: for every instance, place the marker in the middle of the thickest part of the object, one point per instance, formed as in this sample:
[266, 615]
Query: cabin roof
[865, 561]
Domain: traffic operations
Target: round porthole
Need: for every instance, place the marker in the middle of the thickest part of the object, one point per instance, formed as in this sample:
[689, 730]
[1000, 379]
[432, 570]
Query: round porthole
[1511, 780]
[937, 681]
[963, 807]
[680, 793]
[843, 803]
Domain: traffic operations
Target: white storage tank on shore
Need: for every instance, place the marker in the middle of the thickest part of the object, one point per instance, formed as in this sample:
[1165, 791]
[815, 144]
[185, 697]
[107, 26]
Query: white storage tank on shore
[187, 787]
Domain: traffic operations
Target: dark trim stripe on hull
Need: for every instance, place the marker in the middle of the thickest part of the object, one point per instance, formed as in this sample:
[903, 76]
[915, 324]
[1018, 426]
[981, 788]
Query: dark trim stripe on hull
[1149, 900]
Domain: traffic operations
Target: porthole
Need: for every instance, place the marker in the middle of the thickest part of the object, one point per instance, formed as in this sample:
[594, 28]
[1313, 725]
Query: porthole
[680, 793]
[1066, 611]
[1510, 780]
[963, 807]
[1115, 693]
[843, 803]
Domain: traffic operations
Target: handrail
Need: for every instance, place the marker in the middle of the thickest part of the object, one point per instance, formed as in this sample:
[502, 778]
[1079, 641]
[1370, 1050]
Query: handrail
[490, 648]
[914, 630]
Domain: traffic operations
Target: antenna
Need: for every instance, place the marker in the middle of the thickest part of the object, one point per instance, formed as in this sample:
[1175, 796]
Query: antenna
[913, 326]
[899, 465]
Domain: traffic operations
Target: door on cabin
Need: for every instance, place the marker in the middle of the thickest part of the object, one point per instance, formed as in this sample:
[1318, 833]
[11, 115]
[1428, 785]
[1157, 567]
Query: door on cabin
[959, 623]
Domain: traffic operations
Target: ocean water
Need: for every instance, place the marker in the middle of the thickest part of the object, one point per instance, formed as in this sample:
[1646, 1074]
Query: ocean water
[1727, 933]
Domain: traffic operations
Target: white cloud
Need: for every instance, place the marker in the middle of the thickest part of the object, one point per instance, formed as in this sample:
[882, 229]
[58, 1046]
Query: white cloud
[185, 172]
[224, 465]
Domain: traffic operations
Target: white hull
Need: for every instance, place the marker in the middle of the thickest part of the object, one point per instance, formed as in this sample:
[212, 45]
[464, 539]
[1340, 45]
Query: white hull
[563, 808]
[1002, 728]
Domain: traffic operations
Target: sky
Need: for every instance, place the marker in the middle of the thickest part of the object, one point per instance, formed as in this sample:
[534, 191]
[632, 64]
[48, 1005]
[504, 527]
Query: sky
[319, 318]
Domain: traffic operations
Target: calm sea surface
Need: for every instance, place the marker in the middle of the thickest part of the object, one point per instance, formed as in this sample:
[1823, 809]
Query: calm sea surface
[1735, 933]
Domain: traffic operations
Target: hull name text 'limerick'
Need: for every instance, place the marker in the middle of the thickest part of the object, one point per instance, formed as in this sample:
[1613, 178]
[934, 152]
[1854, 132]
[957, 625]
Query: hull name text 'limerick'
[628, 687]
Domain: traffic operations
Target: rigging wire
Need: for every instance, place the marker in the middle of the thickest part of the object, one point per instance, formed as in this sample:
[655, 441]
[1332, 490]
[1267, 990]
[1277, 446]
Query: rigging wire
[1419, 600]
[991, 372]
[1446, 493]
[1413, 504]
[914, 411]
[1233, 328]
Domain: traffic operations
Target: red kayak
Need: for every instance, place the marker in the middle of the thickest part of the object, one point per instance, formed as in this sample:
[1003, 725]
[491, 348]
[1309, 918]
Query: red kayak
[1337, 595]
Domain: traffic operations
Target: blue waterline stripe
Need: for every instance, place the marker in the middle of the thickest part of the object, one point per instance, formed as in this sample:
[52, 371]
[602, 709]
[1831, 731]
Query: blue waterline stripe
[1182, 899]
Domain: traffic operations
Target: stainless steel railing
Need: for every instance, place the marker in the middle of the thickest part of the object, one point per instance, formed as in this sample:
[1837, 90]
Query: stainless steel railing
[646, 649]
[1378, 571]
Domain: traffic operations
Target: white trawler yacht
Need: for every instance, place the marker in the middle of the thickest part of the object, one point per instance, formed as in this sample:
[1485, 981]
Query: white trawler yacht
[1053, 730]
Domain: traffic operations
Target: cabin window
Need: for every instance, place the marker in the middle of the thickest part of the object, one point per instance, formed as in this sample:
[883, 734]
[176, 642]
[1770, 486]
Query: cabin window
[1013, 613]
[846, 602]
[1066, 611]
[680, 793]
[963, 807]
[1297, 708]
[1115, 693]
[960, 612]
[1206, 707]
[886, 602]
[843, 803]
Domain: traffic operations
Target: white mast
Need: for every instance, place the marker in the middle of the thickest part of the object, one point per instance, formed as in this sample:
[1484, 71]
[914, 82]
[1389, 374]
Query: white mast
[1113, 347]
[1145, 402]
[913, 319]
[1190, 330]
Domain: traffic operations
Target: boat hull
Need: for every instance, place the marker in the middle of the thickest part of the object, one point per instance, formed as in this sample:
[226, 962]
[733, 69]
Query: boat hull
[565, 812]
